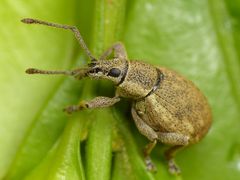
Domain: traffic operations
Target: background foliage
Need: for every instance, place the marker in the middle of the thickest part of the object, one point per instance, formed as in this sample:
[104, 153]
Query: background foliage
[200, 39]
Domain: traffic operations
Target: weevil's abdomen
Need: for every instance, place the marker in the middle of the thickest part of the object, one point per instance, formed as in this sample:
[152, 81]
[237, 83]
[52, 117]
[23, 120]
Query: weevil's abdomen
[139, 80]
[177, 106]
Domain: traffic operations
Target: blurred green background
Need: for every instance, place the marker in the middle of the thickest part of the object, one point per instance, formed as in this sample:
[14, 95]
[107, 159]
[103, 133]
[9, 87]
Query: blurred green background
[199, 39]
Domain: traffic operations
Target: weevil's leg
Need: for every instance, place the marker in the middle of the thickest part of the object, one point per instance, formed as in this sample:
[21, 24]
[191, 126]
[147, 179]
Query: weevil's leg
[147, 151]
[98, 102]
[179, 141]
[144, 129]
[150, 134]
[119, 51]
[62, 26]
[173, 138]
[169, 155]
[77, 73]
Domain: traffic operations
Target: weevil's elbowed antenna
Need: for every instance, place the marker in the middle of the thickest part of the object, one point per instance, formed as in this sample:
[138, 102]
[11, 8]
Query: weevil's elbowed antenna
[38, 71]
[62, 26]
[78, 73]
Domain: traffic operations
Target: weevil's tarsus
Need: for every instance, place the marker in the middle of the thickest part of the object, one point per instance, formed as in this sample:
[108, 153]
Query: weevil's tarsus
[147, 151]
[62, 26]
[173, 167]
[150, 165]
[74, 108]
[98, 102]
[169, 155]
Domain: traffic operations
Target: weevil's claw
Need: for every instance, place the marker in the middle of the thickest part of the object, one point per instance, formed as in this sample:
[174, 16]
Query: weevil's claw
[173, 167]
[150, 165]
[74, 108]
[70, 109]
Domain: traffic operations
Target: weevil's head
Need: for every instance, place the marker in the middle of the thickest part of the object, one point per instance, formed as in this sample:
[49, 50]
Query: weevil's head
[113, 70]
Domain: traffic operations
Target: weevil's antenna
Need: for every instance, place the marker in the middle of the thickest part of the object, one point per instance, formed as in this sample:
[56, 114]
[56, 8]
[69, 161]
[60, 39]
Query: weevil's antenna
[38, 71]
[77, 73]
[72, 28]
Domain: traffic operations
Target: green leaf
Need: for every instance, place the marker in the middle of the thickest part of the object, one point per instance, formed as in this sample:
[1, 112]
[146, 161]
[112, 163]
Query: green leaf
[195, 38]
[199, 39]
[23, 98]
[64, 160]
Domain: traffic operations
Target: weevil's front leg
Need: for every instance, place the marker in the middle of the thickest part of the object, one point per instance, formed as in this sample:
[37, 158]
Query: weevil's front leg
[98, 102]
[119, 51]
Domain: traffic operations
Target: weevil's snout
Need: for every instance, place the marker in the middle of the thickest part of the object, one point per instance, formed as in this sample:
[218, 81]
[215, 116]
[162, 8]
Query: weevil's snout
[92, 64]
[95, 70]
[112, 70]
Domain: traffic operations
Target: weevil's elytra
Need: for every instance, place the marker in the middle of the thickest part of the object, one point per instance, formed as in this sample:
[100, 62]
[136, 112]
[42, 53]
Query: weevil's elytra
[166, 107]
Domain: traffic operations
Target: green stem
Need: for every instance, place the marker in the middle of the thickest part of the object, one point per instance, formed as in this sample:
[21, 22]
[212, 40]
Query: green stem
[108, 18]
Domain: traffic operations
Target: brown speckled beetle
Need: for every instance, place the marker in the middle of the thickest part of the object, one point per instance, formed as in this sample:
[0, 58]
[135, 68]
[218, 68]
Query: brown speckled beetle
[166, 107]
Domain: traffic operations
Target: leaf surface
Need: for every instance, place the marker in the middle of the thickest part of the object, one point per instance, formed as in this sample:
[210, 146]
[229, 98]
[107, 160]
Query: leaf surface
[199, 39]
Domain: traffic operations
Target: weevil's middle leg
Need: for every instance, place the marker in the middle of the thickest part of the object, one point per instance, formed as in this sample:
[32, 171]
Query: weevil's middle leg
[178, 141]
[119, 51]
[147, 151]
[150, 134]
[98, 102]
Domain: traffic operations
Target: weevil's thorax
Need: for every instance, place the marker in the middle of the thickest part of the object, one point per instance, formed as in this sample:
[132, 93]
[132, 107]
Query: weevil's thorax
[113, 69]
[139, 81]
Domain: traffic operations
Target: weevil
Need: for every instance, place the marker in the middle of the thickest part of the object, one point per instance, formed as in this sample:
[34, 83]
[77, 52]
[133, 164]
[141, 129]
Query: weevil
[166, 107]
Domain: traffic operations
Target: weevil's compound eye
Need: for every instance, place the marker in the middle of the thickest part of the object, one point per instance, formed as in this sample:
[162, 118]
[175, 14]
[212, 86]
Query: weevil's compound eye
[114, 72]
